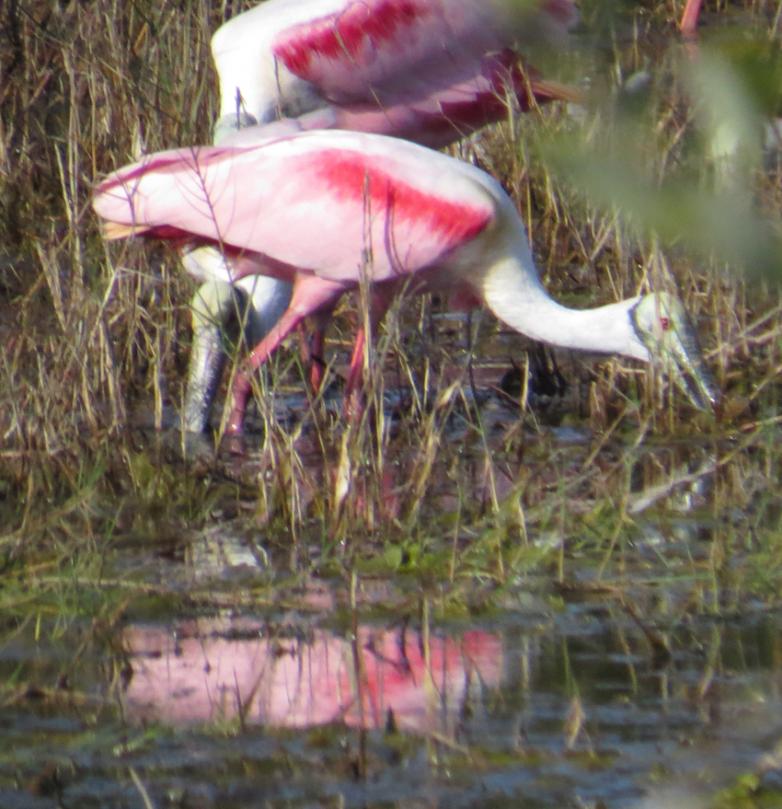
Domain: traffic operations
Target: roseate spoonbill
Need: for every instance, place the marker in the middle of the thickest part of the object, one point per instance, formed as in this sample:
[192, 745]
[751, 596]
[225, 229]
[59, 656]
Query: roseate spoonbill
[430, 71]
[326, 210]
[426, 70]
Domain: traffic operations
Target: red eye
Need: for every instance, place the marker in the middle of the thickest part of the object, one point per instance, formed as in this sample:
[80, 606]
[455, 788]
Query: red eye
[665, 323]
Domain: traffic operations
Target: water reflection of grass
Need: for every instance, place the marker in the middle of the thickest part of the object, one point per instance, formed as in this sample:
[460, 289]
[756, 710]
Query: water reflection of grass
[445, 498]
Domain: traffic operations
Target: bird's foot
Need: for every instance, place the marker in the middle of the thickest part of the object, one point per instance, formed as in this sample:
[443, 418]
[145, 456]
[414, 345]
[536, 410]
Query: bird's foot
[233, 438]
[233, 443]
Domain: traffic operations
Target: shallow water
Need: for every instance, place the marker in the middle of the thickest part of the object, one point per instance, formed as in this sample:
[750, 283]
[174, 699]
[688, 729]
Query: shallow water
[550, 703]
[619, 673]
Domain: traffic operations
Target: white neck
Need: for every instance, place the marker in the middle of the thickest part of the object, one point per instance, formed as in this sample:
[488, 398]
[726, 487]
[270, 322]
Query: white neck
[512, 290]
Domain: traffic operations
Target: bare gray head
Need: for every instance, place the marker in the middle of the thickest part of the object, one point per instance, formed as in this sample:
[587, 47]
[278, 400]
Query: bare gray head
[663, 326]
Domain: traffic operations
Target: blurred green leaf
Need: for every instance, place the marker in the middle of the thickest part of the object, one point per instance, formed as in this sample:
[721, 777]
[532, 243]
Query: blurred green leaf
[730, 123]
[706, 199]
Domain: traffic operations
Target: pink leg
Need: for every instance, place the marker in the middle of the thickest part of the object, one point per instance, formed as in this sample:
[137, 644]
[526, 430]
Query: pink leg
[312, 351]
[380, 300]
[310, 294]
[317, 363]
[689, 21]
[356, 368]
[242, 381]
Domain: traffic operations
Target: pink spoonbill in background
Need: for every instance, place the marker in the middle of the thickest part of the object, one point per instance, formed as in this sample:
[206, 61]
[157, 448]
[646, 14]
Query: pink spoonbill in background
[324, 210]
[430, 71]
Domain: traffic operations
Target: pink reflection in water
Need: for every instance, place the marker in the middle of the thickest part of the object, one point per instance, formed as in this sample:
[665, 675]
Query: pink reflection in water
[212, 670]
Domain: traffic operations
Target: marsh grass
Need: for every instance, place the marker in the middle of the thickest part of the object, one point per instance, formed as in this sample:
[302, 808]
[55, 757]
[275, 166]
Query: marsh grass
[440, 490]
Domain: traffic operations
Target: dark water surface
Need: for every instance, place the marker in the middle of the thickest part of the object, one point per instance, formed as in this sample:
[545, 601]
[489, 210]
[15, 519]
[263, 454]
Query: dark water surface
[552, 703]
[638, 670]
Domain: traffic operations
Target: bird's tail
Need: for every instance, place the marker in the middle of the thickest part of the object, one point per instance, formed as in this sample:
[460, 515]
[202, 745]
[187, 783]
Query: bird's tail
[556, 91]
[117, 230]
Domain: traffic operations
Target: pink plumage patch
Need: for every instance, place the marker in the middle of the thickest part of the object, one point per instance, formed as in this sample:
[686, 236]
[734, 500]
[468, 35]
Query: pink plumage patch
[352, 177]
[353, 33]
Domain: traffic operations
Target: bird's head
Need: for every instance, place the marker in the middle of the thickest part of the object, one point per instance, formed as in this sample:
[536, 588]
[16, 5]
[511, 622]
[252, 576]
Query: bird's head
[662, 325]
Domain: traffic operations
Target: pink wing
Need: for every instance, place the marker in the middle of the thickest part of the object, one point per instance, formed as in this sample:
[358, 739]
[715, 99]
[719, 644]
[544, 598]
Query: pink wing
[332, 204]
[433, 116]
[373, 46]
